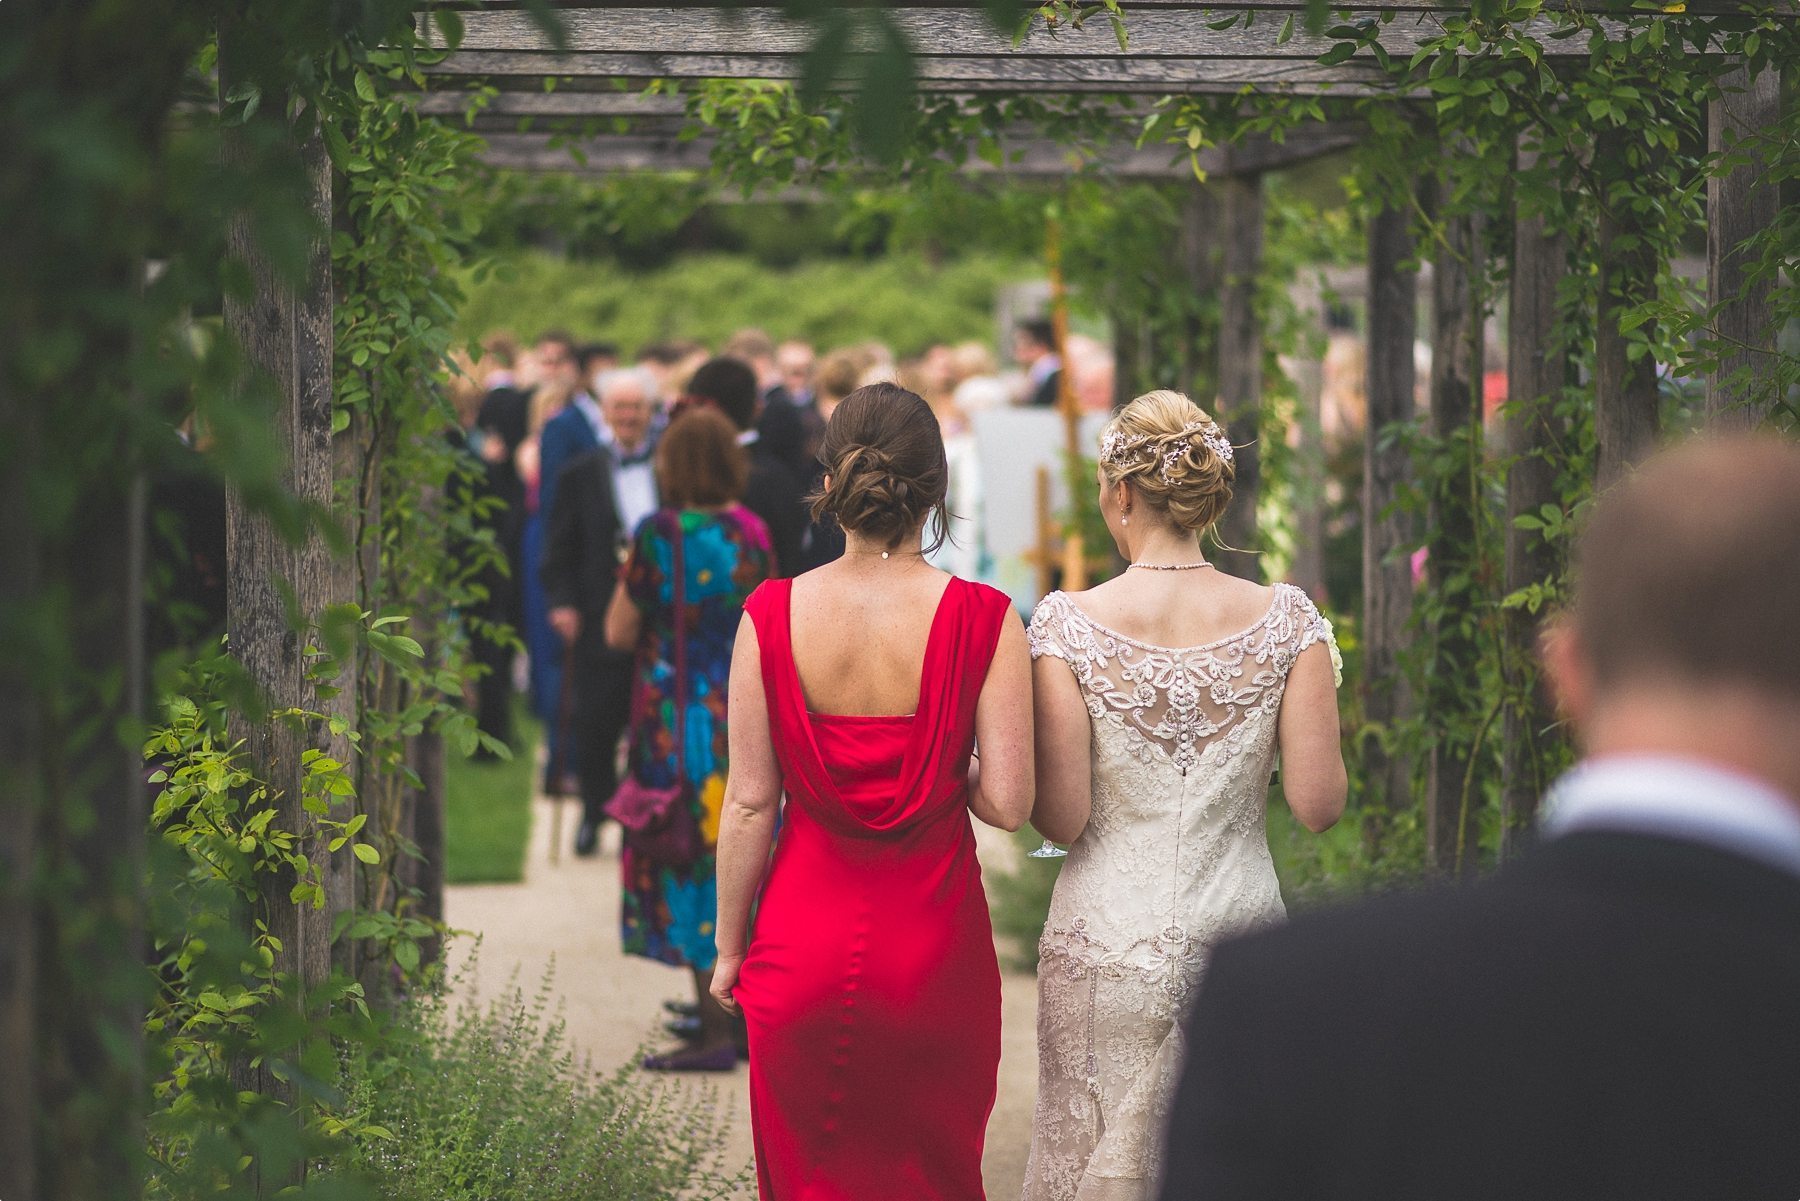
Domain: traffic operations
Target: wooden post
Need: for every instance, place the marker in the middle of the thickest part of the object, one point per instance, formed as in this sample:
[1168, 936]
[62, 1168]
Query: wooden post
[1308, 370]
[1536, 374]
[1626, 399]
[1451, 789]
[1240, 370]
[1200, 252]
[426, 753]
[1128, 351]
[1387, 571]
[25, 763]
[1069, 407]
[1740, 205]
[285, 329]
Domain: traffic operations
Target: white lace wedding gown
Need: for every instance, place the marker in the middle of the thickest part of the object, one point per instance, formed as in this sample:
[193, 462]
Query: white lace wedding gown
[1173, 858]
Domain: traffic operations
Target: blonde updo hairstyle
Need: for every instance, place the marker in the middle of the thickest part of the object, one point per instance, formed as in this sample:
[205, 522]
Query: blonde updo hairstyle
[1159, 444]
[886, 474]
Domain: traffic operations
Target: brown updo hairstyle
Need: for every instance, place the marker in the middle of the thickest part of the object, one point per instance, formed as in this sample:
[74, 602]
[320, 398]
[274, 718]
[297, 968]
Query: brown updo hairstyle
[699, 463]
[884, 465]
[1167, 462]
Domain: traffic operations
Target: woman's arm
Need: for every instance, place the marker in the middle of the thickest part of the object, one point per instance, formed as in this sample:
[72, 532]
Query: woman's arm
[747, 822]
[624, 620]
[1064, 767]
[1000, 785]
[1312, 759]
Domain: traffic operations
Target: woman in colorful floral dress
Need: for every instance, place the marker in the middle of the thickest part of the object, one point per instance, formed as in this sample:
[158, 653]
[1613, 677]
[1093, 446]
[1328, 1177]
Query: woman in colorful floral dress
[670, 904]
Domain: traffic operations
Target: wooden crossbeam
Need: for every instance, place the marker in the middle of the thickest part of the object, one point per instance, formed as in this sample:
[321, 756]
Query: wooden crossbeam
[1283, 7]
[556, 104]
[945, 33]
[1152, 76]
[613, 153]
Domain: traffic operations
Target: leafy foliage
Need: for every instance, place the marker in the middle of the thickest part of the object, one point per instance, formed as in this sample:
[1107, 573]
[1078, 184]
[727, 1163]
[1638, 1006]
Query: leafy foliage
[489, 1101]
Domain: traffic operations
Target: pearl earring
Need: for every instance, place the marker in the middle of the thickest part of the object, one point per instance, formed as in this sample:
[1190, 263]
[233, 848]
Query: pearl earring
[884, 554]
[1125, 520]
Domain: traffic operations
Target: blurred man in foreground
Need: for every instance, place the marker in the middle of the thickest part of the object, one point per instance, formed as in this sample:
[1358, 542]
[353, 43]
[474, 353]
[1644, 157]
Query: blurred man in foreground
[1617, 1014]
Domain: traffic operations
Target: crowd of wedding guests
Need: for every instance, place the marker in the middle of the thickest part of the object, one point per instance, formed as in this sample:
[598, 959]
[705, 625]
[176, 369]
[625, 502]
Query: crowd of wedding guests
[735, 564]
[593, 459]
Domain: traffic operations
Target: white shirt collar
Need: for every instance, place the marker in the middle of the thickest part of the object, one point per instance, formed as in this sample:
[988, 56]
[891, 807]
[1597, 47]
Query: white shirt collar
[1675, 797]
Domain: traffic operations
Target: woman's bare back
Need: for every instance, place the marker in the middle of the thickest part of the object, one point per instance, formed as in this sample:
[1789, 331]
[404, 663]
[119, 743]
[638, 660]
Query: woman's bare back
[1176, 609]
[859, 634]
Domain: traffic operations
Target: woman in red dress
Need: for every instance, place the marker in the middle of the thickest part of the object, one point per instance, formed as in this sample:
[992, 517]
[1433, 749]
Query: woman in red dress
[859, 689]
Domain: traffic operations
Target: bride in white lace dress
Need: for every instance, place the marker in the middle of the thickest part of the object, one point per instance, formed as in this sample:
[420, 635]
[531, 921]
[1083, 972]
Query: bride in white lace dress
[1162, 698]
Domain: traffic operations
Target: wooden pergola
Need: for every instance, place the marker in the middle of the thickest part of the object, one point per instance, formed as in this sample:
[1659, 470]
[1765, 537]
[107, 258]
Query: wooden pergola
[1173, 48]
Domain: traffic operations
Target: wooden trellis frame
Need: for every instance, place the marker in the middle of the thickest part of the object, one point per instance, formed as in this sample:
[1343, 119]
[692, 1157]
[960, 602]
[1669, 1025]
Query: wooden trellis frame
[1172, 49]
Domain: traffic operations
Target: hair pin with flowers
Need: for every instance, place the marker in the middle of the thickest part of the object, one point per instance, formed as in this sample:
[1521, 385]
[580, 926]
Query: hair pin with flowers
[1117, 446]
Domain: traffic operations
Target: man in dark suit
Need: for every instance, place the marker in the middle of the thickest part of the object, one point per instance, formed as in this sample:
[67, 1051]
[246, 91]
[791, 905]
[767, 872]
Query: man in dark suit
[773, 493]
[601, 495]
[1034, 346]
[1618, 1013]
[576, 430]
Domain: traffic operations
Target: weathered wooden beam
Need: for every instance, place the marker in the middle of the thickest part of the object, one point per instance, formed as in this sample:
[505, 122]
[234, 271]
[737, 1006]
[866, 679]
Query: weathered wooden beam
[1200, 251]
[1386, 570]
[560, 103]
[1016, 74]
[1453, 787]
[1536, 372]
[26, 763]
[1211, 9]
[609, 154]
[1239, 404]
[1626, 398]
[1306, 368]
[286, 333]
[1740, 205]
[954, 33]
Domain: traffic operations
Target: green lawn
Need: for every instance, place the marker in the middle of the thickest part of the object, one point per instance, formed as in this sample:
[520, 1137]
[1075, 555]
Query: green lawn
[489, 810]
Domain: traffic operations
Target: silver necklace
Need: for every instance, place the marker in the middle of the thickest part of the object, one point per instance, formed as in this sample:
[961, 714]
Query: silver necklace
[1170, 566]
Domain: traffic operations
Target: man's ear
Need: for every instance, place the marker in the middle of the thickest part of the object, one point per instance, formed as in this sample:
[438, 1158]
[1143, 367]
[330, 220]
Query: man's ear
[1566, 668]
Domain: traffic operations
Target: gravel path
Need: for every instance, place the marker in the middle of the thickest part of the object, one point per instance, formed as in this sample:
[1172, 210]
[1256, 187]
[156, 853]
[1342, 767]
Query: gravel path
[568, 911]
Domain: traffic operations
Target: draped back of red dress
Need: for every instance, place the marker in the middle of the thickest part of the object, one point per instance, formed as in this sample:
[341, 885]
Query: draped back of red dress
[870, 987]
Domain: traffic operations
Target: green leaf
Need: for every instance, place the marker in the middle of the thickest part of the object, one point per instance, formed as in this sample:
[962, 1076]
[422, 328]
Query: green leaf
[365, 87]
[1287, 31]
[366, 853]
[1337, 54]
[450, 24]
[406, 954]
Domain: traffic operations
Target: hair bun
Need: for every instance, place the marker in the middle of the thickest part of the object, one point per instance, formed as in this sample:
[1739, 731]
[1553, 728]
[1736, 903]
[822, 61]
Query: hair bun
[883, 456]
[1176, 457]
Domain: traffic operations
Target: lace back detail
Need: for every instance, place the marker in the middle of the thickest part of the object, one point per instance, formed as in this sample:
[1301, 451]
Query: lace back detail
[1176, 702]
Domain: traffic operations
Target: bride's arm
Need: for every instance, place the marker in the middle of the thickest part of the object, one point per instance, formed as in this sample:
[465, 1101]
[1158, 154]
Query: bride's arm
[1000, 784]
[1313, 778]
[1063, 737]
[747, 822]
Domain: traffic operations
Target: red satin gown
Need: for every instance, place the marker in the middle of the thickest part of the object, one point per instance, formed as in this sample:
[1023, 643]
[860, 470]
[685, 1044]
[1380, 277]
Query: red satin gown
[870, 985]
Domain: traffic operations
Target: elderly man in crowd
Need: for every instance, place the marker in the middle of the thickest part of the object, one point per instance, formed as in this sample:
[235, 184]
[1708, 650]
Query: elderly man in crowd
[1615, 1014]
[601, 496]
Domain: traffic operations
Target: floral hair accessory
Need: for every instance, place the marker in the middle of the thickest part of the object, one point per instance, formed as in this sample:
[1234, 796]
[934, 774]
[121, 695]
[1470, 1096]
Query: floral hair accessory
[1123, 450]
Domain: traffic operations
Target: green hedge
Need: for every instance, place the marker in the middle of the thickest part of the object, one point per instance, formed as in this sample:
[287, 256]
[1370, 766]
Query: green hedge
[902, 300]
